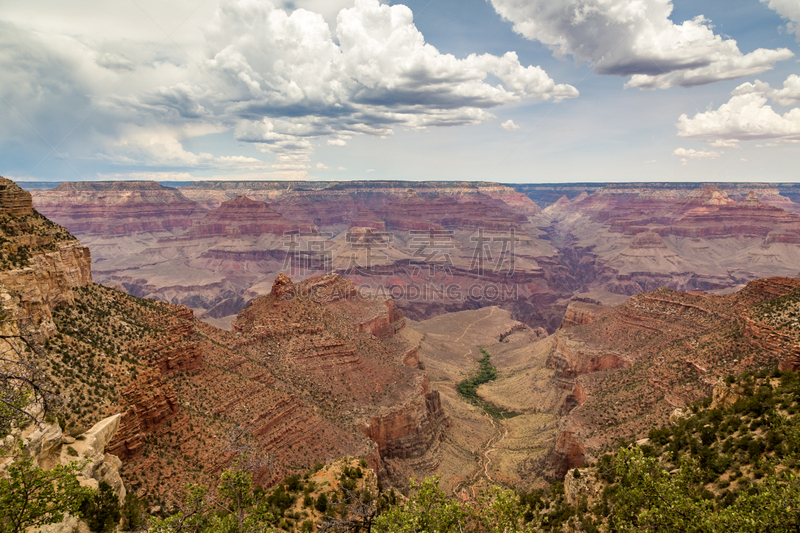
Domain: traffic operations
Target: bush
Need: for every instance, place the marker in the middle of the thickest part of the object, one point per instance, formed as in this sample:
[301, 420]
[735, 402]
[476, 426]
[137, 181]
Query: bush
[101, 511]
[134, 517]
[322, 503]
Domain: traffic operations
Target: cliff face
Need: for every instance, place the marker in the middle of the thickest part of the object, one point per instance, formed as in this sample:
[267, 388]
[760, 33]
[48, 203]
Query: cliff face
[408, 431]
[13, 200]
[40, 260]
[321, 336]
[149, 402]
[49, 447]
[214, 246]
[48, 281]
[639, 238]
[628, 369]
[117, 209]
[243, 216]
[579, 313]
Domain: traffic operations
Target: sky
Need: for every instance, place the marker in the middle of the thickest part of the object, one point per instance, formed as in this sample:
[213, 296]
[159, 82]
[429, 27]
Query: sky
[511, 91]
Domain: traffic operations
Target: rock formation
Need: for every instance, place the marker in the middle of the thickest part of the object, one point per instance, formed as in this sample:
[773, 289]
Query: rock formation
[217, 261]
[633, 366]
[40, 260]
[118, 209]
[48, 447]
[13, 200]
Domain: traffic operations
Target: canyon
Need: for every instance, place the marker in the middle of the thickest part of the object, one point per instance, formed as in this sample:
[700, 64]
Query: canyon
[631, 303]
[437, 247]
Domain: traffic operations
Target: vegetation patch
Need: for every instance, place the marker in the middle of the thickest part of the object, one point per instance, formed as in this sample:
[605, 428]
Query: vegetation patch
[469, 388]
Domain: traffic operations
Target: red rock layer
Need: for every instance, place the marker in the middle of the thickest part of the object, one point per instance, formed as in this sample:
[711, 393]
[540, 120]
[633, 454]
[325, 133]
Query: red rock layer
[706, 212]
[321, 336]
[117, 208]
[13, 200]
[568, 453]
[366, 218]
[243, 216]
[417, 213]
[177, 351]
[408, 430]
[580, 312]
[627, 369]
[150, 401]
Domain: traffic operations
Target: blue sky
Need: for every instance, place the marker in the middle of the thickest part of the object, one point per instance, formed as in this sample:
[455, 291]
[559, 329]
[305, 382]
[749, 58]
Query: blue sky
[499, 90]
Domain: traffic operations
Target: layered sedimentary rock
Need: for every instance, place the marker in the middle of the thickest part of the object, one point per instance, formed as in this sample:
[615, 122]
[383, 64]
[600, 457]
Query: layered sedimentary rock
[48, 280]
[581, 312]
[13, 200]
[150, 401]
[223, 239]
[341, 349]
[40, 260]
[408, 430]
[639, 238]
[243, 216]
[633, 366]
[439, 247]
[116, 209]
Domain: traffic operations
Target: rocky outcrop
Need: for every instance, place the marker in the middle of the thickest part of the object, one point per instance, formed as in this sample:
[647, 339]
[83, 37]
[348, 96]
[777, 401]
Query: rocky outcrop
[384, 324]
[568, 453]
[177, 351]
[151, 401]
[49, 447]
[581, 312]
[571, 362]
[408, 430]
[723, 396]
[41, 261]
[48, 281]
[640, 364]
[647, 239]
[14, 201]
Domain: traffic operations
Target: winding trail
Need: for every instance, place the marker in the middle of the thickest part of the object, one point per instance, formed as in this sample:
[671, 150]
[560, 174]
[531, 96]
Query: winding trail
[481, 473]
[491, 312]
[500, 432]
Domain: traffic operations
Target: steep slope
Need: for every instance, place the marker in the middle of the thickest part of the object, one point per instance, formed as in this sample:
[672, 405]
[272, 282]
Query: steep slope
[629, 369]
[117, 209]
[309, 381]
[314, 372]
[40, 260]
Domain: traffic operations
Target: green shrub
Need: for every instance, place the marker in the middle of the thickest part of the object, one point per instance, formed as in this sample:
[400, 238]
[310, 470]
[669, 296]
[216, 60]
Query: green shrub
[101, 511]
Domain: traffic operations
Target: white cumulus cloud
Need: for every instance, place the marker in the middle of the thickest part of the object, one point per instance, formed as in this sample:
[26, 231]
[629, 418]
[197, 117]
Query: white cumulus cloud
[747, 116]
[788, 9]
[509, 125]
[275, 74]
[637, 38]
[378, 74]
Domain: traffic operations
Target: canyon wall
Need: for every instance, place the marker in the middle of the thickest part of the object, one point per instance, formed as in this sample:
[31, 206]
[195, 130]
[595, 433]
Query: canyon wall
[42, 262]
